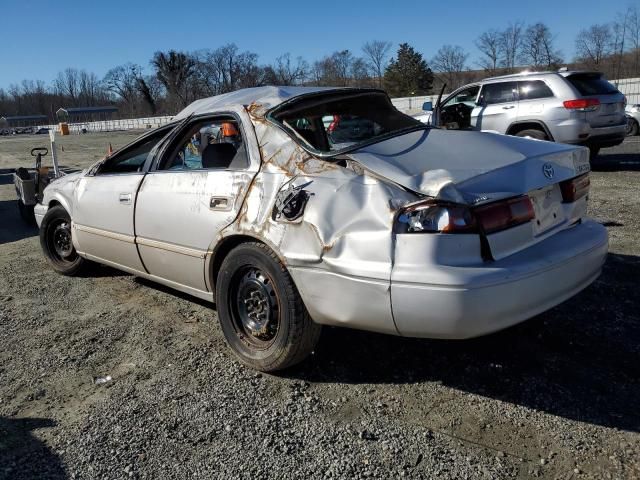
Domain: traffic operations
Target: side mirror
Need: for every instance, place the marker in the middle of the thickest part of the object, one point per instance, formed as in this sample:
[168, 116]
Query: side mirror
[427, 106]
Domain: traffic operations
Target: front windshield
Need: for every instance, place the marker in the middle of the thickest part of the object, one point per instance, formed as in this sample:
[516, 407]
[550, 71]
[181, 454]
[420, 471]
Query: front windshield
[337, 122]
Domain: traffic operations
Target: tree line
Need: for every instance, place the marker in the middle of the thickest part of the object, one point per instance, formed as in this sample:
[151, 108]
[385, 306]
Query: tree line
[174, 79]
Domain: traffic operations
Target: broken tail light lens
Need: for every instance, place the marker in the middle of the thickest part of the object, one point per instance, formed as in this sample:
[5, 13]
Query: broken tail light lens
[504, 214]
[436, 218]
[446, 218]
[582, 104]
[575, 188]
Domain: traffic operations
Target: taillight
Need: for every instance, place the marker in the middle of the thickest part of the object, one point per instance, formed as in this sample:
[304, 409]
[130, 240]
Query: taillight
[582, 104]
[432, 217]
[575, 188]
[502, 215]
[435, 218]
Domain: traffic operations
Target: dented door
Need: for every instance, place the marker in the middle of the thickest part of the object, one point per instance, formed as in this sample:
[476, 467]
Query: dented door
[179, 214]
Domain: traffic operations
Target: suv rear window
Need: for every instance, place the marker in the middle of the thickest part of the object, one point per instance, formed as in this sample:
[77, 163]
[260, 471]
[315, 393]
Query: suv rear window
[591, 84]
[534, 89]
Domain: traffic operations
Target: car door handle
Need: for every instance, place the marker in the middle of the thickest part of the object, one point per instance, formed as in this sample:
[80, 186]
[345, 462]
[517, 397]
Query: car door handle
[125, 199]
[508, 107]
[220, 203]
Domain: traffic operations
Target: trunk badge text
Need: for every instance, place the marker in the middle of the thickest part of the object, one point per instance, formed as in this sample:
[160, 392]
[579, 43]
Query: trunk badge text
[548, 171]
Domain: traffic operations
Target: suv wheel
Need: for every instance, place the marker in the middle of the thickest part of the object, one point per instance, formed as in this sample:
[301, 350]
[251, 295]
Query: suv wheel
[260, 310]
[533, 133]
[632, 127]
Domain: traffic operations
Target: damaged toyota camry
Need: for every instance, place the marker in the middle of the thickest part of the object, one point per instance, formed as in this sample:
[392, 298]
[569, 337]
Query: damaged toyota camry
[291, 208]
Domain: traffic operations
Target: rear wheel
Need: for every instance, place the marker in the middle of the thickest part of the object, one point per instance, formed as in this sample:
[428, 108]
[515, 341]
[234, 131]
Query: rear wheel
[260, 310]
[55, 240]
[533, 133]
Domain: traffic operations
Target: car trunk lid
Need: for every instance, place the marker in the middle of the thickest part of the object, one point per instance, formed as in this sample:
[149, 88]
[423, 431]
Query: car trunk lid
[476, 168]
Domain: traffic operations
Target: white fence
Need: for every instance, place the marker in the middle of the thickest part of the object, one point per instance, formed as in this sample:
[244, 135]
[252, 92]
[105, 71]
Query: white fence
[111, 125]
[629, 86]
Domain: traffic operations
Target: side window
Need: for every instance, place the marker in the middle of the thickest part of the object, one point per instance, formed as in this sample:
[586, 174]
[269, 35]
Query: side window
[131, 159]
[534, 89]
[208, 144]
[503, 92]
[467, 97]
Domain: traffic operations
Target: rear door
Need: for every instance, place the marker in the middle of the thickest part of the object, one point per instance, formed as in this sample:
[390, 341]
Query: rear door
[498, 106]
[534, 98]
[610, 112]
[195, 191]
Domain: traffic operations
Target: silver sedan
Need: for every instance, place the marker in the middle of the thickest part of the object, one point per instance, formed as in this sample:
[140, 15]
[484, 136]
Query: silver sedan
[292, 208]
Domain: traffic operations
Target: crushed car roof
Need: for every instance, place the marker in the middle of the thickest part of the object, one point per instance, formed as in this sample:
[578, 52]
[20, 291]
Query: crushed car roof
[267, 97]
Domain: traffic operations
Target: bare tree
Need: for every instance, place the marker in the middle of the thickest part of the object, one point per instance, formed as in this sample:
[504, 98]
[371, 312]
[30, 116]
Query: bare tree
[289, 72]
[123, 82]
[67, 83]
[376, 55]
[150, 89]
[510, 44]
[537, 48]
[175, 70]
[633, 35]
[593, 44]
[450, 62]
[490, 46]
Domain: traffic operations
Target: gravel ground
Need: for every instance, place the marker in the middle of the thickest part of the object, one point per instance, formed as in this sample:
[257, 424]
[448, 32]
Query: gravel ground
[555, 397]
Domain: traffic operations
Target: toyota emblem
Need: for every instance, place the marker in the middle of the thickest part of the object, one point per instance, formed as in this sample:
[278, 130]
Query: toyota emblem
[548, 171]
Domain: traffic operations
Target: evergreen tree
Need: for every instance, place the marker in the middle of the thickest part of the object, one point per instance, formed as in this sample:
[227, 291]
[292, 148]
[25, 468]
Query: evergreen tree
[408, 74]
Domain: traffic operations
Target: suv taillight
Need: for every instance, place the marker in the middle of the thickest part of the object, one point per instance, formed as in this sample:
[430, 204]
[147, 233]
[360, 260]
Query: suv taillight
[575, 188]
[582, 104]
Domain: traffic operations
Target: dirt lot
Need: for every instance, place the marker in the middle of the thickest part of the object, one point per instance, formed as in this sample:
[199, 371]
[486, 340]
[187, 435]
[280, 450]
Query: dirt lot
[556, 397]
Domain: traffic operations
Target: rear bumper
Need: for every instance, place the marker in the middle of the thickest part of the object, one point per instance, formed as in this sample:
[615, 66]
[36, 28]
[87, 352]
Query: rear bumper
[579, 132]
[464, 302]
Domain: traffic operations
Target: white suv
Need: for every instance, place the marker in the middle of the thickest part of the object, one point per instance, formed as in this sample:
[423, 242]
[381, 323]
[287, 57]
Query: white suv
[580, 108]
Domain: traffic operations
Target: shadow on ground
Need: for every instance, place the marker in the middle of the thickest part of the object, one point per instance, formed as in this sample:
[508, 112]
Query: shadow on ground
[22, 455]
[618, 162]
[580, 360]
[12, 227]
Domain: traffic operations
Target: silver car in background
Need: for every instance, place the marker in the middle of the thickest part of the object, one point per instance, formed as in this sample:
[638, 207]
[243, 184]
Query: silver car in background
[633, 119]
[574, 107]
[251, 201]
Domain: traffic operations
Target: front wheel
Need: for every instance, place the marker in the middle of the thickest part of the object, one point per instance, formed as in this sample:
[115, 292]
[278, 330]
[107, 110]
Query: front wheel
[593, 152]
[260, 310]
[632, 127]
[55, 240]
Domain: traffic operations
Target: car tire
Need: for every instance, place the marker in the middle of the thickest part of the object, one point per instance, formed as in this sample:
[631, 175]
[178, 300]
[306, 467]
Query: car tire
[26, 213]
[533, 133]
[593, 152]
[55, 240]
[260, 310]
[632, 127]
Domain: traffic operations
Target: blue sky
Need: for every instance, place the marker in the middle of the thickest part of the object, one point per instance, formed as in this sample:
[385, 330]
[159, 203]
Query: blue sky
[42, 37]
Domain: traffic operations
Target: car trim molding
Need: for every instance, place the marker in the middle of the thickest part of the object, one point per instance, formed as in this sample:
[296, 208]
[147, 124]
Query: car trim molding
[104, 233]
[170, 247]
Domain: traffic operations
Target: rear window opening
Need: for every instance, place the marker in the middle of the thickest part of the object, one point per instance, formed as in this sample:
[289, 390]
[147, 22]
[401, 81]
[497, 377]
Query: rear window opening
[339, 122]
[591, 84]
